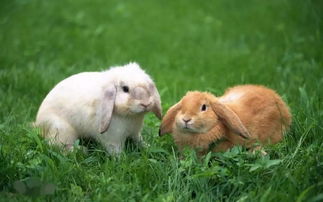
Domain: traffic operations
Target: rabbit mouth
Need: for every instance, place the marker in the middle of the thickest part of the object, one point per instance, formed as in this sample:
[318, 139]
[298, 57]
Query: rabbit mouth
[188, 129]
[139, 110]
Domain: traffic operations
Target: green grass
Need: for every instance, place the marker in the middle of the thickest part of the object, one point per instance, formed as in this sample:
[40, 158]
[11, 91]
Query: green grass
[184, 45]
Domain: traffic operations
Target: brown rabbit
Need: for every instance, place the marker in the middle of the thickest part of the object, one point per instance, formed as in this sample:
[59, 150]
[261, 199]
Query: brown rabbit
[244, 115]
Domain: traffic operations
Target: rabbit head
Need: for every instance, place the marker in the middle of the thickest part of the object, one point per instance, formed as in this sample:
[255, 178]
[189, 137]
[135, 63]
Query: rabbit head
[197, 113]
[133, 92]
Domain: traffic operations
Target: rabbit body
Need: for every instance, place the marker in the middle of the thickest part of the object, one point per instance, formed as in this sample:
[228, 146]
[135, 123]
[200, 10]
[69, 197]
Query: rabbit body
[93, 104]
[262, 112]
[244, 115]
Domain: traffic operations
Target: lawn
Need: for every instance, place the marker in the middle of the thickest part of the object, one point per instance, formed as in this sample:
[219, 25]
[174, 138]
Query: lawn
[184, 45]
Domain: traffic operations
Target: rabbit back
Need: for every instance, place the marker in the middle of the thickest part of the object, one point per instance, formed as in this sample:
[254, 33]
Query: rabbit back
[261, 110]
[74, 100]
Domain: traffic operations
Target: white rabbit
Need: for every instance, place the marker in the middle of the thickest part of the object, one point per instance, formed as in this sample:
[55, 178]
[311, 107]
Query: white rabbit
[108, 106]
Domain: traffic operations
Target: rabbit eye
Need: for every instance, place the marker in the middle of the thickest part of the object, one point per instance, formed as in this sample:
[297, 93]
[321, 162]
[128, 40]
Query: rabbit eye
[125, 89]
[203, 108]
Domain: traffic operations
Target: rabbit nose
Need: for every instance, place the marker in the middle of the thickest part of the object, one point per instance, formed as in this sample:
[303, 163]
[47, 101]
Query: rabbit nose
[145, 104]
[186, 120]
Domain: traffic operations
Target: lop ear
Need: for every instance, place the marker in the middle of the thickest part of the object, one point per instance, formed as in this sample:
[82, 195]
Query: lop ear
[106, 108]
[169, 118]
[230, 119]
[156, 109]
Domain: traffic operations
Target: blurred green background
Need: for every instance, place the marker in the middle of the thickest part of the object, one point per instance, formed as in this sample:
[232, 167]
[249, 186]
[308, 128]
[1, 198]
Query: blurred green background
[184, 45]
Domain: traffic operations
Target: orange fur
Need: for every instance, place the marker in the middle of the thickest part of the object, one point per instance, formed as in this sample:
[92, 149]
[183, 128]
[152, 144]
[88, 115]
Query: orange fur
[244, 115]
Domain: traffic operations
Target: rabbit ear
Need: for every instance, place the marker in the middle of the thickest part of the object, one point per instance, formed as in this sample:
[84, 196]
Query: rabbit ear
[107, 104]
[169, 118]
[156, 109]
[230, 119]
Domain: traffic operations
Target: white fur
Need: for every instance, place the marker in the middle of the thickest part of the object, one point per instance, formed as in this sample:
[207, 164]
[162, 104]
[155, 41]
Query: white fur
[231, 97]
[115, 143]
[72, 108]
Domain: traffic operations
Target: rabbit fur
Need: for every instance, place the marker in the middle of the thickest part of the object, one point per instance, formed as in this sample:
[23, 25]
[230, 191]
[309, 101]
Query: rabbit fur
[108, 106]
[244, 115]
